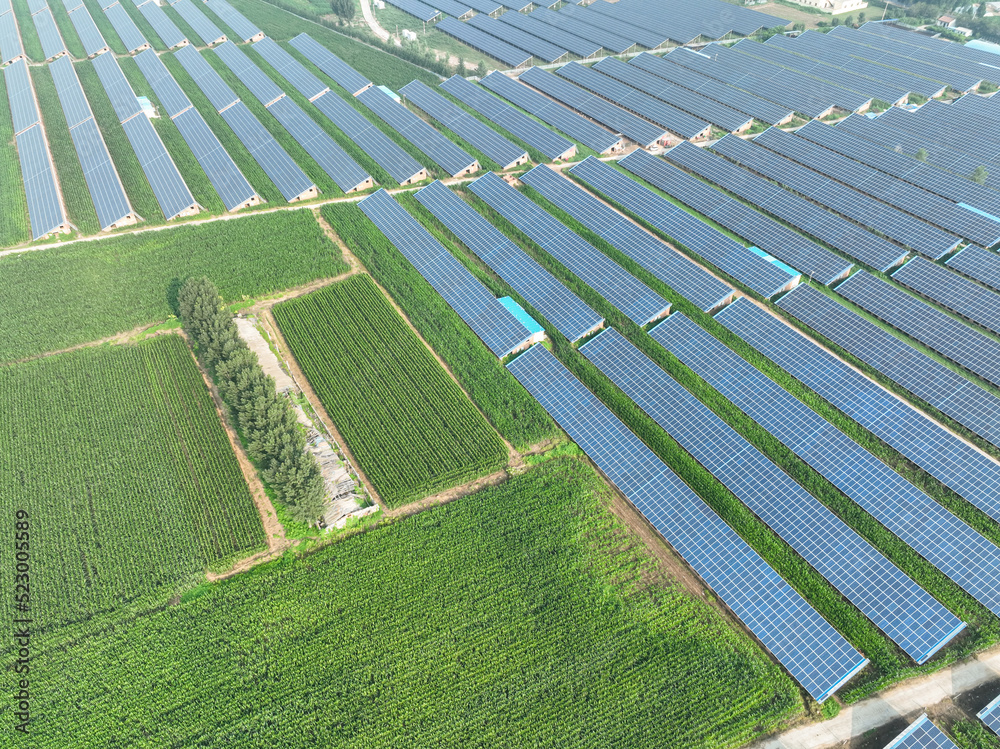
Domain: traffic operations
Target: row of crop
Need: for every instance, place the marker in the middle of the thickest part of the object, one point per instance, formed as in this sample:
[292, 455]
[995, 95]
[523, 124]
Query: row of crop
[514, 413]
[104, 26]
[410, 427]
[14, 227]
[29, 37]
[66, 30]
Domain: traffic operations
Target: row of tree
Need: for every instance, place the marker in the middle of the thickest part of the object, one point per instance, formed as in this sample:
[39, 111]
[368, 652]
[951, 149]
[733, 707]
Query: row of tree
[271, 434]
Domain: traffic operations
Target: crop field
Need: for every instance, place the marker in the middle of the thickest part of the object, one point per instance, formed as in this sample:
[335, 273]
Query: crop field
[14, 226]
[411, 428]
[113, 285]
[508, 406]
[29, 37]
[118, 456]
[104, 26]
[523, 615]
[73, 44]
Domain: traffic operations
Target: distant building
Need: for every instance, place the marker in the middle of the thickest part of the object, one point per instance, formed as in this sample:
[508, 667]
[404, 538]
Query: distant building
[834, 6]
[147, 107]
[536, 330]
[947, 21]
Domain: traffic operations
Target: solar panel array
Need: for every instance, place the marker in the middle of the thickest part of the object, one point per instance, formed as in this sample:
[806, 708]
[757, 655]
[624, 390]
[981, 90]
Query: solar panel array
[342, 74]
[52, 42]
[171, 192]
[125, 27]
[117, 87]
[637, 301]
[971, 349]
[947, 457]
[644, 35]
[207, 79]
[599, 35]
[234, 20]
[680, 274]
[802, 641]
[555, 115]
[979, 264]
[490, 320]
[968, 299]
[21, 96]
[725, 253]
[257, 82]
[890, 222]
[619, 120]
[106, 191]
[420, 11]
[684, 22]
[922, 734]
[291, 69]
[508, 54]
[199, 22]
[464, 125]
[453, 8]
[803, 214]
[562, 308]
[928, 379]
[91, 38]
[764, 232]
[895, 603]
[923, 128]
[10, 40]
[990, 715]
[927, 527]
[167, 30]
[896, 192]
[540, 48]
[512, 120]
[171, 95]
[571, 42]
[431, 143]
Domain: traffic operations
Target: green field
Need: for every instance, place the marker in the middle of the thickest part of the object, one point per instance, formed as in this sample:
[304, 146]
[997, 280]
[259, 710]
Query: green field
[411, 428]
[523, 615]
[508, 406]
[112, 285]
[14, 225]
[130, 484]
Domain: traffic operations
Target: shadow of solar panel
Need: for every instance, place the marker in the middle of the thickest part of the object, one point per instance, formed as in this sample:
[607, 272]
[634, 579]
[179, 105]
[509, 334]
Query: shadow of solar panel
[922, 734]
[168, 186]
[217, 164]
[929, 380]
[491, 321]
[680, 226]
[234, 19]
[947, 457]
[564, 310]
[91, 38]
[970, 300]
[205, 76]
[171, 96]
[637, 301]
[919, 521]
[125, 27]
[803, 642]
[291, 69]
[45, 211]
[342, 74]
[198, 21]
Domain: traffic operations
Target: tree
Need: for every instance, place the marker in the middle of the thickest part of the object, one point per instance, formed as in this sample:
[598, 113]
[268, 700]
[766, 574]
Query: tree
[849, 21]
[979, 175]
[861, 18]
[798, 26]
[461, 66]
[922, 154]
[344, 9]
[481, 69]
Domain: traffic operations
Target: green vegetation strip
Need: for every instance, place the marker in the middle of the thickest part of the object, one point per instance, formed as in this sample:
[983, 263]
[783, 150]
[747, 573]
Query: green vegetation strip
[118, 456]
[523, 615]
[14, 226]
[411, 428]
[113, 285]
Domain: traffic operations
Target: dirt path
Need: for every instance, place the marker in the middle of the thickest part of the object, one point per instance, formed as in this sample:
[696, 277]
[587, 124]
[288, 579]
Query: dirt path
[373, 24]
[449, 495]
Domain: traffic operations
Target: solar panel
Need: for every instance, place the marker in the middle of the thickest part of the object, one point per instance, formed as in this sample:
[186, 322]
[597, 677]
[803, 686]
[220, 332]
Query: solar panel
[167, 30]
[518, 5]
[34, 6]
[48, 34]
[506, 53]
[400, 165]
[171, 96]
[540, 48]
[608, 40]
[259, 84]
[562, 119]
[489, 7]
[106, 191]
[630, 125]
[340, 167]
[968, 299]
[10, 40]
[962, 155]
[463, 124]
[125, 27]
[979, 264]
[947, 457]
[674, 269]
[803, 214]
[74, 103]
[766, 233]
[205, 76]
[488, 319]
[637, 301]
[342, 74]
[923, 524]
[922, 734]
[235, 20]
[680, 226]
[802, 641]
[20, 95]
[222, 172]
[433, 144]
[171, 193]
[531, 25]
[453, 8]
[291, 69]
[564, 310]
[971, 349]
[513, 121]
[199, 23]
[642, 34]
[935, 113]
[928, 379]
[895, 603]
[890, 222]
[421, 11]
[990, 715]
[45, 210]
[278, 165]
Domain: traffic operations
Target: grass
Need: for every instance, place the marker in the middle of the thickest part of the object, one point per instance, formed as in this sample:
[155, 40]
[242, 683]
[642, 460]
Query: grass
[67, 31]
[14, 225]
[105, 27]
[29, 37]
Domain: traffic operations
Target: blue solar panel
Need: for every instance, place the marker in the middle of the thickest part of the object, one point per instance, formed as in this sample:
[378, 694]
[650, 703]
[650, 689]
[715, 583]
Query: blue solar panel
[433, 144]
[506, 53]
[48, 34]
[117, 87]
[198, 21]
[945, 456]
[125, 27]
[564, 310]
[420, 11]
[92, 39]
[540, 48]
[514, 122]
[45, 210]
[20, 95]
[531, 25]
[342, 74]
[990, 715]
[171, 96]
[923, 524]
[562, 119]
[968, 299]
[896, 604]
[167, 30]
[766, 233]
[926, 378]
[463, 124]
[206, 77]
[668, 265]
[234, 20]
[914, 126]
[802, 641]
[922, 734]
[10, 40]
[642, 34]
[979, 264]
[171, 193]
[259, 84]
[491, 321]
[891, 222]
[680, 226]
[223, 173]
[803, 214]
[291, 69]
[610, 41]
[639, 303]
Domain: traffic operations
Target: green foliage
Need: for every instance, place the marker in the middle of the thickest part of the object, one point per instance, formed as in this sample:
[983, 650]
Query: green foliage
[973, 735]
[915, 98]
[29, 37]
[410, 427]
[104, 26]
[67, 31]
[119, 458]
[508, 406]
[523, 615]
[344, 9]
[112, 285]
[830, 708]
[14, 225]
[979, 175]
[922, 154]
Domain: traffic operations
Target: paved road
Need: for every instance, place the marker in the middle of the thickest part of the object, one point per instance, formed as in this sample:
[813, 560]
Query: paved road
[366, 11]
